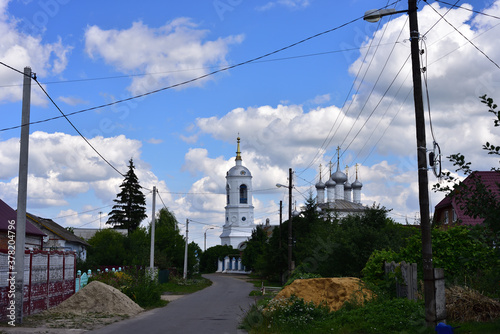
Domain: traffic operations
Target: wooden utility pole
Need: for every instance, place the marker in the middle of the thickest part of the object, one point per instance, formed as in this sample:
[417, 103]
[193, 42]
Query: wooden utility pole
[423, 181]
[22, 197]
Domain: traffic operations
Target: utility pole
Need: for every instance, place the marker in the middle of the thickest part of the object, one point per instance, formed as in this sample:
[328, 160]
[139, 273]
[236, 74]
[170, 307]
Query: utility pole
[281, 220]
[22, 198]
[290, 218]
[184, 276]
[100, 213]
[423, 181]
[152, 252]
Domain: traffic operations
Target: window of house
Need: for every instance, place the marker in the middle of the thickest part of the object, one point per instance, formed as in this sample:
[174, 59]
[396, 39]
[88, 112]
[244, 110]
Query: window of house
[454, 215]
[243, 194]
[446, 217]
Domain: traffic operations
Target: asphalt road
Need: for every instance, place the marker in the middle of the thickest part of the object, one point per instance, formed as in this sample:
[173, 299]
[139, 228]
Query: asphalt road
[216, 309]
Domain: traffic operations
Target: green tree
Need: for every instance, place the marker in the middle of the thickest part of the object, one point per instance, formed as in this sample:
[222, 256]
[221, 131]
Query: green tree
[169, 243]
[130, 208]
[108, 248]
[209, 258]
[252, 257]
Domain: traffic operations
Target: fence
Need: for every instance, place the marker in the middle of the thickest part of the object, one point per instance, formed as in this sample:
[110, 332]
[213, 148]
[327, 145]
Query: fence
[49, 279]
[408, 286]
[82, 279]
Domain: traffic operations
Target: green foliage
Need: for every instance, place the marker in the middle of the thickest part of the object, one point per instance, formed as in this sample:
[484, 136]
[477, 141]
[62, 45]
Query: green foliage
[130, 208]
[256, 246]
[299, 273]
[209, 258]
[458, 250]
[108, 248]
[136, 284]
[379, 315]
[374, 269]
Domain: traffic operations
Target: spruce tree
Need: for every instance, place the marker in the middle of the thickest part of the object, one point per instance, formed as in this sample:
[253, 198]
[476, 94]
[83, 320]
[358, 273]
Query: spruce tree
[130, 208]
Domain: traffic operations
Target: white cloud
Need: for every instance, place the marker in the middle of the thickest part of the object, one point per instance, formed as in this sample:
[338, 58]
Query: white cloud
[72, 100]
[173, 53]
[291, 4]
[19, 50]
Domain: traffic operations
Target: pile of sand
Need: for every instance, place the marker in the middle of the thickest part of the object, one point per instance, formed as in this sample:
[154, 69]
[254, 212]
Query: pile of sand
[333, 292]
[99, 298]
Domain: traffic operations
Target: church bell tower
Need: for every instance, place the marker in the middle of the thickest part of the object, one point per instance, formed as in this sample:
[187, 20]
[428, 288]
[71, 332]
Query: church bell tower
[239, 209]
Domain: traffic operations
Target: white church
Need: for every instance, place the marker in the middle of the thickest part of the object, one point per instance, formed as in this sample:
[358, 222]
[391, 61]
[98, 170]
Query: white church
[239, 209]
[335, 196]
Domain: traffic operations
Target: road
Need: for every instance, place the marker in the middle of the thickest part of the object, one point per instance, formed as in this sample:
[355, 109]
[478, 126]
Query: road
[216, 309]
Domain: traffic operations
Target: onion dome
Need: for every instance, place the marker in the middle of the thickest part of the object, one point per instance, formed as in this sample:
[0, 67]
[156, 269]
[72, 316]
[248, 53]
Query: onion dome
[339, 177]
[347, 185]
[357, 184]
[320, 184]
[330, 183]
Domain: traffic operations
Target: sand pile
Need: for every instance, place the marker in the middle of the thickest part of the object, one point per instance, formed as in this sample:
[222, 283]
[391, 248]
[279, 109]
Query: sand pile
[332, 291]
[99, 298]
[464, 304]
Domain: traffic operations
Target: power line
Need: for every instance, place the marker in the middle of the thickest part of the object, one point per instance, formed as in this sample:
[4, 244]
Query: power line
[78, 131]
[468, 40]
[194, 79]
[470, 10]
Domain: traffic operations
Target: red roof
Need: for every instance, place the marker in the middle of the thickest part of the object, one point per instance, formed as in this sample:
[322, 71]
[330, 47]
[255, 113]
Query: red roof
[7, 213]
[491, 179]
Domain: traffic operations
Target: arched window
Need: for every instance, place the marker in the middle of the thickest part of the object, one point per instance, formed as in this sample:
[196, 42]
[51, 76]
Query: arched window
[243, 194]
[227, 192]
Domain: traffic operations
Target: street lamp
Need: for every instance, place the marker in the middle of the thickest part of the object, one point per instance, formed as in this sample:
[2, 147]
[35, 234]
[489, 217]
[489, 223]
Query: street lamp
[205, 247]
[290, 217]
[423, 182]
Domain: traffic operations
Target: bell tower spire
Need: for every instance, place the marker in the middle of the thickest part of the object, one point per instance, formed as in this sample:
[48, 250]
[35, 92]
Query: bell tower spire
[238, 152]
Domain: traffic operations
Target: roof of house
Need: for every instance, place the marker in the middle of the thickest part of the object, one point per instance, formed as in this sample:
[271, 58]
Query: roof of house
[343, 206]
[490, 179]
[7, 213]
[55, 228]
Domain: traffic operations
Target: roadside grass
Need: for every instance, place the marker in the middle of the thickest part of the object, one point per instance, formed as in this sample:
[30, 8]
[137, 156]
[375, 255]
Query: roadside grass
[379, 316]
[178, 286]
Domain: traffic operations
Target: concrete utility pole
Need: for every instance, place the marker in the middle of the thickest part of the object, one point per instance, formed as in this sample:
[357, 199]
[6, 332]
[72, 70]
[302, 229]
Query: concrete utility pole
[22, 197]
[290, 217]
[152, 252]
[423, 181]
[184, 276]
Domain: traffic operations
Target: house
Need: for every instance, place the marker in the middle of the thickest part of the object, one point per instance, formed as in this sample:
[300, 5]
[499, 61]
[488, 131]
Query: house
[34, 236]
[450, 210]
[59, 238]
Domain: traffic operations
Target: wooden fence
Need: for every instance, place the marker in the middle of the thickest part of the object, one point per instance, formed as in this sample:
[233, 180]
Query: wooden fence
[49, 279]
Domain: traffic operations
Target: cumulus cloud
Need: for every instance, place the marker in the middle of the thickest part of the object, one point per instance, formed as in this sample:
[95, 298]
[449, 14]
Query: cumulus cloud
[173, 53]
[19, 50]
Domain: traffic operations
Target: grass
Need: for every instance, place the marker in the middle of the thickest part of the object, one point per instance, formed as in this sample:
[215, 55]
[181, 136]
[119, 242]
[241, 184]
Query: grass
[178, 286]
[384, 315]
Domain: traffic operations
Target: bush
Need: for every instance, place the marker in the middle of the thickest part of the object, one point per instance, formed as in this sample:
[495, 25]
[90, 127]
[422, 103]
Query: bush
[137, 285]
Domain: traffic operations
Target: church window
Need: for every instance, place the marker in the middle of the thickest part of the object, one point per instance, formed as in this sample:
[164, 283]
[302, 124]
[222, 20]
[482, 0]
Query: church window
[243, 194]
[227, 192]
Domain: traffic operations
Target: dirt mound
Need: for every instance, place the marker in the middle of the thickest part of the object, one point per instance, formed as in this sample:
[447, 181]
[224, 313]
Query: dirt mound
[99, 298]
[332, 291]
[464, 304]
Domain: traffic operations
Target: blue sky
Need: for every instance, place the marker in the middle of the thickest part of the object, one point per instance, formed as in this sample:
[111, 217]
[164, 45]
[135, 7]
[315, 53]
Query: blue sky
[291, 109]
